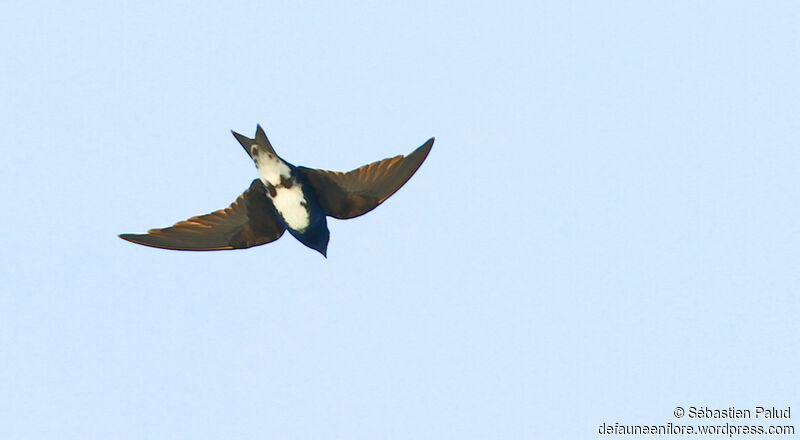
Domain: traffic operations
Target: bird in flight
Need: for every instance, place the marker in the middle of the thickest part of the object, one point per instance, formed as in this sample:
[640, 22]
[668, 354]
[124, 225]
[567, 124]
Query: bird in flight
[287, 197]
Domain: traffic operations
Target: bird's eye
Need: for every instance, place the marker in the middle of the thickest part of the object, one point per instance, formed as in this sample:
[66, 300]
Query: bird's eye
[254, 149]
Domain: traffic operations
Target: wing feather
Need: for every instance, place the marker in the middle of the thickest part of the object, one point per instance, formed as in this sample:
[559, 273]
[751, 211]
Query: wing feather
[354, 193]
[247, 222]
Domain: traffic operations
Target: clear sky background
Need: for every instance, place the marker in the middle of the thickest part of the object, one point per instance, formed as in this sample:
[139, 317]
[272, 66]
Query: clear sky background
[606, 228]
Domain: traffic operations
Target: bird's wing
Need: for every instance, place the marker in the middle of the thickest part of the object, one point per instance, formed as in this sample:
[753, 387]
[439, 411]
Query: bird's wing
[348, 195]
[248, 222]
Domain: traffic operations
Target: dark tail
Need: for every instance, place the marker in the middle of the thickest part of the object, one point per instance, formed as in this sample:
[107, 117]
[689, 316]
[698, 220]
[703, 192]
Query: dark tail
[260, 140]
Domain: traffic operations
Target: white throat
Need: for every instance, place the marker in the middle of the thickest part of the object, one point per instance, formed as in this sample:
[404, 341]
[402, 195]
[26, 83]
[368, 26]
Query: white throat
[270, 167]
[285, 191]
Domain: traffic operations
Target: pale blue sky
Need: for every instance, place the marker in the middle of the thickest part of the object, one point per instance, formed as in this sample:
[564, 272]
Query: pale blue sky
[606, 228]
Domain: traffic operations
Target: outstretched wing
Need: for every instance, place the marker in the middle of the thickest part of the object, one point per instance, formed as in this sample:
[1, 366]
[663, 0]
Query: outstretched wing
[348, 195]
[248, 222]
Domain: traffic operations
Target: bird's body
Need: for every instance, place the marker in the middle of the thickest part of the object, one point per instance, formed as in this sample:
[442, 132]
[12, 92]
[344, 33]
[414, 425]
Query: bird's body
[285, 190]
[286, 197]
[294, 201]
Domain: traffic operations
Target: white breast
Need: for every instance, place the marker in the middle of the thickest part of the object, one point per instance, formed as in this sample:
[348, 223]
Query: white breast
[271, 168]
[289, 202]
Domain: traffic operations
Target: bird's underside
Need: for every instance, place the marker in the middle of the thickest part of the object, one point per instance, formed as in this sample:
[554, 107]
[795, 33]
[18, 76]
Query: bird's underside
[252, 219]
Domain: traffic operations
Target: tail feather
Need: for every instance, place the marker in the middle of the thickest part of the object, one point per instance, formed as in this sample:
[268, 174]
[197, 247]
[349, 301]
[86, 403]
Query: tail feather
[260, 140]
